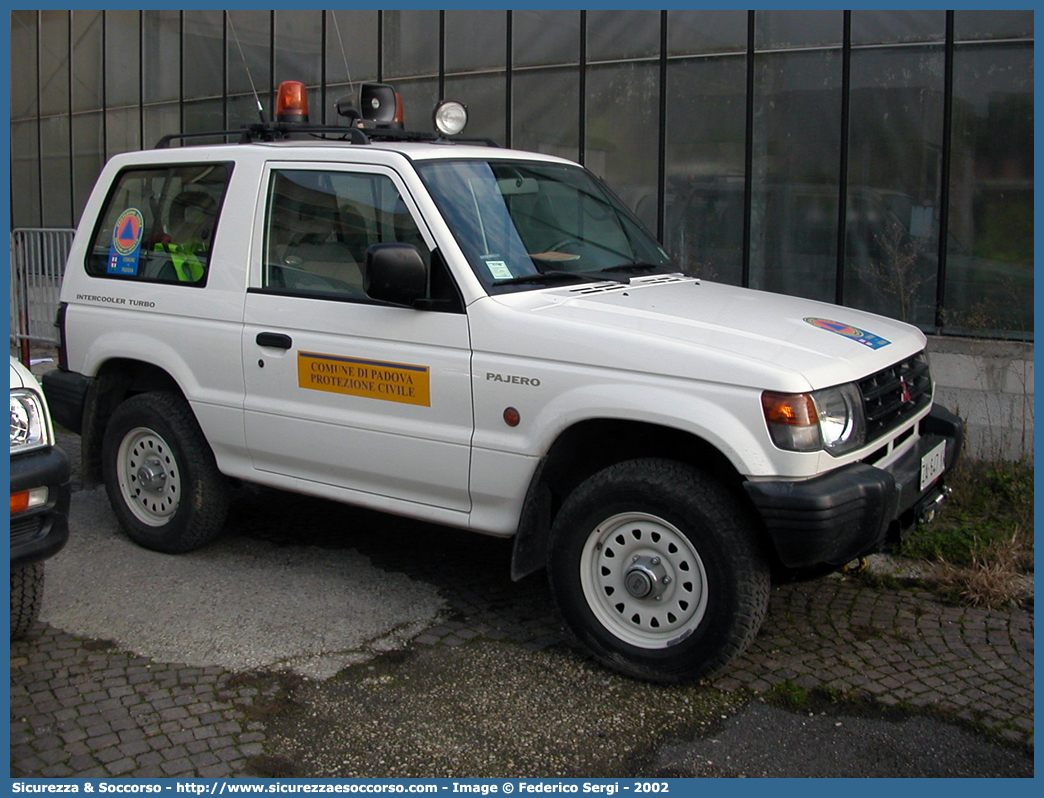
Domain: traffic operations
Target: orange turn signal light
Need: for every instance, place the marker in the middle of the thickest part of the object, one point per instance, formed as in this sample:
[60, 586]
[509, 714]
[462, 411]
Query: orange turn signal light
[27, 499]
[792, 409]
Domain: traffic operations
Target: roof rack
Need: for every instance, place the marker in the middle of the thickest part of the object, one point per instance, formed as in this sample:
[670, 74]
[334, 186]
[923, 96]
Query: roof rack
[353, 135]
[269, 132]
[386, 116]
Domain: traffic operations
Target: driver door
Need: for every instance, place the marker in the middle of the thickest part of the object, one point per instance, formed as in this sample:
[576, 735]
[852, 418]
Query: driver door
[357, 399]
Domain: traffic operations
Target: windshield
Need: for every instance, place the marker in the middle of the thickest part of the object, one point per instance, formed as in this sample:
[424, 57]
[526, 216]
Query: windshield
[527, 225]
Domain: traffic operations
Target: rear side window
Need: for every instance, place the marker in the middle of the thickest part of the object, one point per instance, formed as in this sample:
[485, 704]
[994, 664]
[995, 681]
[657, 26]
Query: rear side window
[158, 224]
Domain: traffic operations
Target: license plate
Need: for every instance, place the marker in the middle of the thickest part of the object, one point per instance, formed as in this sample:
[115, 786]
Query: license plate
[933, 464]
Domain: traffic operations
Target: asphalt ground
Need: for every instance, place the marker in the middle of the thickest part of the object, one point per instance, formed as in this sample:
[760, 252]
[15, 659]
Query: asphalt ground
[315, 640]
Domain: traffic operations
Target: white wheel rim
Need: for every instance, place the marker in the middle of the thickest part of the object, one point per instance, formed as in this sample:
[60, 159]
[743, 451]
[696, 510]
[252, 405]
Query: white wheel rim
[630, 554]
[149, 477]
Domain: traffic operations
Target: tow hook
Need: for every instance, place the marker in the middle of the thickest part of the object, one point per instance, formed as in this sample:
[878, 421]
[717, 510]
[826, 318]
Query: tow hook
[855, 567]
[926, 514]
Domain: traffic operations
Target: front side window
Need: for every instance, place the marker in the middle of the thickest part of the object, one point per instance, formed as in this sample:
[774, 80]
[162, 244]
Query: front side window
[158, 224]
[320, 224]
[524, 224]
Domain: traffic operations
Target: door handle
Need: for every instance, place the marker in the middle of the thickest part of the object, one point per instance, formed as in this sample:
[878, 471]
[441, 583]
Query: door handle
[274, 340]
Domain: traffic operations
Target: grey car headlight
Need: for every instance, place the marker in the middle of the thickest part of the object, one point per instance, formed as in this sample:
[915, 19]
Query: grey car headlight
[842, 423]
[830, 419]
[29, 427]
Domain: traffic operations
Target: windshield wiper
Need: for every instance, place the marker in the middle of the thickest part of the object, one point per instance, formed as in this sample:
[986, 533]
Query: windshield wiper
[553, 275]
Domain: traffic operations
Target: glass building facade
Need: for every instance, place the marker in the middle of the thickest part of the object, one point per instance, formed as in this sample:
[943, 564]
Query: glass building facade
[878, 159]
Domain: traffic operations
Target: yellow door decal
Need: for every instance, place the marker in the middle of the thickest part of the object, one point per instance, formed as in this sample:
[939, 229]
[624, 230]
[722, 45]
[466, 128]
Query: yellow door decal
[389, 382]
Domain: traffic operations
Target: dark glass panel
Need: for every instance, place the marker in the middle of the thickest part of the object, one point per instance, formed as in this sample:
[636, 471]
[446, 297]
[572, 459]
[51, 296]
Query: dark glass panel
[892, 27]
[204, 115]
[546, 112]
[894, 182]
[24, 95]
[979, 25]
[204, 54]
[299, 48]
[122, 58]
[55, 172]
[161, 120]
[247, 54]
[545, 37]
[54, 62]
[780, 29]
[88, 157]
[485, 97]
[25, 174]
[162, 47]
[351, 49]
[989, 274]
[622, 34]
[122, 130]
[797, 100]
[706, 134]
[87, 60]
[697, 32]
[475, 40]
[411, 43]
[622, 123]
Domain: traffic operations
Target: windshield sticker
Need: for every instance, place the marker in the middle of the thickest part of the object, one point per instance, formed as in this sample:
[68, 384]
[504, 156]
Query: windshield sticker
[859, 336]
[499, 270]
[388, 382]
[126, 243]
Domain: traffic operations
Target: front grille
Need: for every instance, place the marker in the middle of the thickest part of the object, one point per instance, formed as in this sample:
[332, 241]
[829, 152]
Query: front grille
[896, 394]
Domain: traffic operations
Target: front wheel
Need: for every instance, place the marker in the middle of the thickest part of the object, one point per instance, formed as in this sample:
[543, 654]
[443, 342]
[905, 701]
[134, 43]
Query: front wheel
[160, 474]
[656, 568]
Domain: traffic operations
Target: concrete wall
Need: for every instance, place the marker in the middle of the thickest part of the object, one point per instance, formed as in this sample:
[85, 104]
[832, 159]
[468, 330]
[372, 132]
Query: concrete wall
[990, 385]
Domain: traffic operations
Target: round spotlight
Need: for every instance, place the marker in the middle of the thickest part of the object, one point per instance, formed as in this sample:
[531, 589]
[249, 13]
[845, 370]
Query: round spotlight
[450, 117]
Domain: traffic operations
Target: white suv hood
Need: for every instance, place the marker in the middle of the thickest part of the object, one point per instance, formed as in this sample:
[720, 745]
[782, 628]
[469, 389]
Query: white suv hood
[693, 328]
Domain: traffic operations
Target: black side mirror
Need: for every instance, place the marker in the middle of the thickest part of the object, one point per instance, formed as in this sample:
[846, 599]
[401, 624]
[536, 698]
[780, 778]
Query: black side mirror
[395, 273]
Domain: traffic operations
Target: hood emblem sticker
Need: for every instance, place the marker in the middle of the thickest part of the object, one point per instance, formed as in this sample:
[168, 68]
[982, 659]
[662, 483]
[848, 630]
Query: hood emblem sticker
[859, 336]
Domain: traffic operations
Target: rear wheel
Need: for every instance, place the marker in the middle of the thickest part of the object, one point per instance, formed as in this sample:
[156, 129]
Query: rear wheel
[160, 474]
[26, 597]
[656, 568]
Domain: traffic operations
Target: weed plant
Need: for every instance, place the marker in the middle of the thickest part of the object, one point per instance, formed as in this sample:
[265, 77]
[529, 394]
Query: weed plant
[983, 537]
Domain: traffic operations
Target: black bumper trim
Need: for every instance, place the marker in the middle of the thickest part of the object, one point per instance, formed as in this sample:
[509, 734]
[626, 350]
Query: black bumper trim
[48, 468]
[850, 512]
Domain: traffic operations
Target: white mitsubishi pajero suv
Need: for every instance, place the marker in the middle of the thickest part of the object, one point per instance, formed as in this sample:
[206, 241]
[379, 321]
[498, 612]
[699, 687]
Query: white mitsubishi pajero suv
[488, 339]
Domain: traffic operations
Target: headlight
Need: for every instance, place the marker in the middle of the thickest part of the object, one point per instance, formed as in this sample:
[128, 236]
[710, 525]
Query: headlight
[29, 428]
[841, 419]
[830, 419]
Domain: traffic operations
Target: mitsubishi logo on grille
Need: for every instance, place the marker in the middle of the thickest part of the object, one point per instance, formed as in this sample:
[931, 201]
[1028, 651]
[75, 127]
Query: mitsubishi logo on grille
[905, 389]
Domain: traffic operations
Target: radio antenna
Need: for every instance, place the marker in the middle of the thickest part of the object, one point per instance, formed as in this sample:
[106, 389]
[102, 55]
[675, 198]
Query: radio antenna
[344, 55]
[246, 66]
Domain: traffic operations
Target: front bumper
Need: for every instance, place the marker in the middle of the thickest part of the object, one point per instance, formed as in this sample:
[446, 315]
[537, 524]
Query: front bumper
[859, 508]
[39, 533]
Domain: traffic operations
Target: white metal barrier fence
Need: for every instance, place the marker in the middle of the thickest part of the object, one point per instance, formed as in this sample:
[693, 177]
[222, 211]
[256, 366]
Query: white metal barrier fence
[37, 265]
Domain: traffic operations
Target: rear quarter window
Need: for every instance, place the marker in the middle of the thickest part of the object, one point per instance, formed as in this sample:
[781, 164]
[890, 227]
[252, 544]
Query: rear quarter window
[158, 224]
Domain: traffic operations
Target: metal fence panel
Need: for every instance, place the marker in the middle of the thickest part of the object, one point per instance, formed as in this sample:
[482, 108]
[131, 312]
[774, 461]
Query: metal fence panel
[37, 265]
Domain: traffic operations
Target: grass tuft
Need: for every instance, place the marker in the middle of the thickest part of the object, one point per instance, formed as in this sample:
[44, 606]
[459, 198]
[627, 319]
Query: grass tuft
[983, 538]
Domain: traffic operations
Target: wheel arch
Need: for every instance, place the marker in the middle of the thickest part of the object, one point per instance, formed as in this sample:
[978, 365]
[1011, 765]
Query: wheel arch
[589, 446]
[116, 380]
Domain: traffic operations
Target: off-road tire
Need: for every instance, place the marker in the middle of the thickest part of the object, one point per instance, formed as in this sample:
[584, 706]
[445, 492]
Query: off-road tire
[668, 528]
[160, 474]
[26, 597]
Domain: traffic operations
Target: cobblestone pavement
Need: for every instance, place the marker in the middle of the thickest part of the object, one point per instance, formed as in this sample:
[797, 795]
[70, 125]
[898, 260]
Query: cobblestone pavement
[85, 708]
